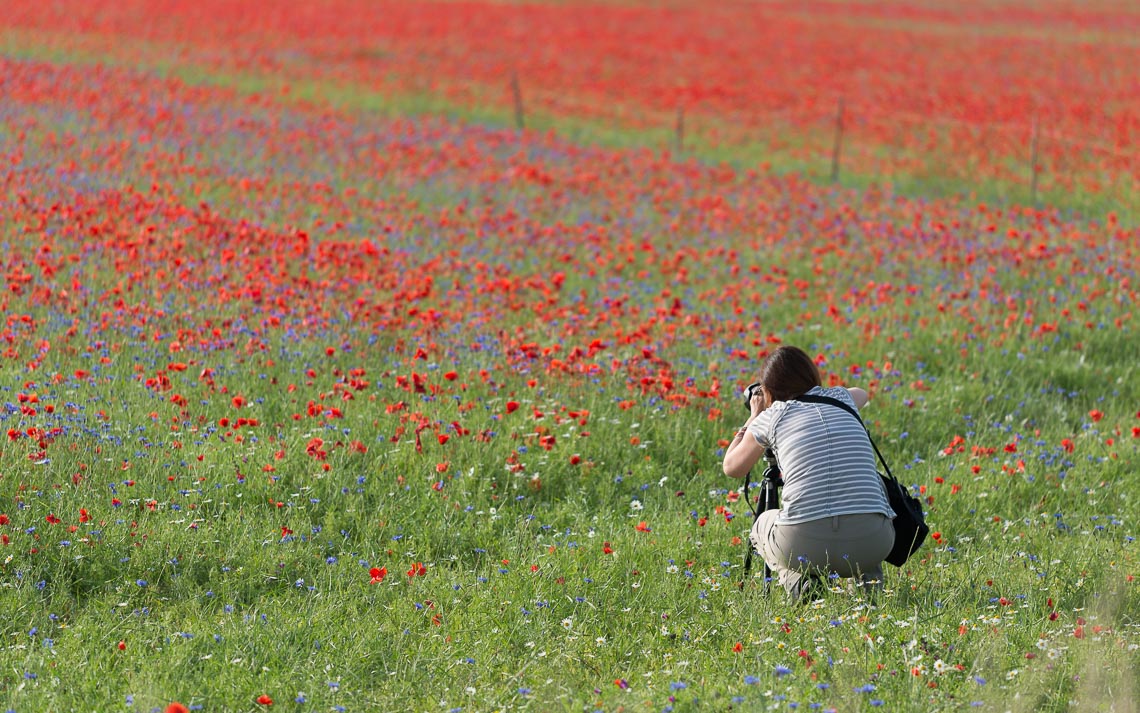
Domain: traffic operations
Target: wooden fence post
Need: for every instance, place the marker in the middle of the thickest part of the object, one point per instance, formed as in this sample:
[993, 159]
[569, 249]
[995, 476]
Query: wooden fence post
[837, 149]
[520, 124]
[1033, 160]
[680, 128]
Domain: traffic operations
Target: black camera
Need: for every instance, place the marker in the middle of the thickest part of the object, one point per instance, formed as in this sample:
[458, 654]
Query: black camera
[752, 390]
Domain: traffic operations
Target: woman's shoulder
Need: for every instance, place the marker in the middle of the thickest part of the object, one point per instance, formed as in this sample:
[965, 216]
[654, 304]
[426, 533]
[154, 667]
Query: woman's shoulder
[774, 409]
[779, 408]
[770, 416]
[836, 392]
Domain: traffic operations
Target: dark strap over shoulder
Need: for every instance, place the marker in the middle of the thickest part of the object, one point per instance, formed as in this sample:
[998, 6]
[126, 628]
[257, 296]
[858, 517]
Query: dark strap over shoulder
[817, 399]
[910, 521]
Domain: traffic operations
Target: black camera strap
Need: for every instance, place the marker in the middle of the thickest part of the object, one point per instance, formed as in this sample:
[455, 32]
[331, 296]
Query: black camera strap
[816, 399]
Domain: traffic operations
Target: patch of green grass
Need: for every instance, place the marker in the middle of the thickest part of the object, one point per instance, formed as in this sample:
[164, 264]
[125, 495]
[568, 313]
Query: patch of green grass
[235, 561]
[217, 605]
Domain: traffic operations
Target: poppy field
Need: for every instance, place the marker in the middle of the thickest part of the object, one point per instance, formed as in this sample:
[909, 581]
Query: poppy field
[1030, 102]
[328, 389]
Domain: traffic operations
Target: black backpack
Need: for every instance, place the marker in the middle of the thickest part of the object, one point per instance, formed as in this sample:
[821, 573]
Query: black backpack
[911, 529]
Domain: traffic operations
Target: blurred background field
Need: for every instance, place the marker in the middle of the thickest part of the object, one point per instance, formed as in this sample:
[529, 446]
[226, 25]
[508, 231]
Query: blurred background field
[363, 355]
[1020, 102]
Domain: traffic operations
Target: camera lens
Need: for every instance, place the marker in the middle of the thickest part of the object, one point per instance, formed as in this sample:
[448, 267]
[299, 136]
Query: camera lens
[751, 391]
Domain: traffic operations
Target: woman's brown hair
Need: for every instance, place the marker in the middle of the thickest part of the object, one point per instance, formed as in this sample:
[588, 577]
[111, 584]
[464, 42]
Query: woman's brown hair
[787, 373]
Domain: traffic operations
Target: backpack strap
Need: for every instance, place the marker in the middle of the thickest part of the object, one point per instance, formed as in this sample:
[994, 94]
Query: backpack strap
[816, 399]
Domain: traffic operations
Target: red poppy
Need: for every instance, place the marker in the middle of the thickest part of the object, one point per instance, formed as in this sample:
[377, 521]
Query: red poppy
[177, 708]
[378, 574]
[315, 449]
[265, 700]
[417, 570]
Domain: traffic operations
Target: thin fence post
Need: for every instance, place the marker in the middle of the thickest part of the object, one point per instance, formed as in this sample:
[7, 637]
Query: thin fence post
[520, 124]
[837, 149]
[680, 128]
[1033, 160]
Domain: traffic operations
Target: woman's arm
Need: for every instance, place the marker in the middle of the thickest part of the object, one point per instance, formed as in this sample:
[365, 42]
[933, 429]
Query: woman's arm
[742, 454]
[744, 450]
[859, 396]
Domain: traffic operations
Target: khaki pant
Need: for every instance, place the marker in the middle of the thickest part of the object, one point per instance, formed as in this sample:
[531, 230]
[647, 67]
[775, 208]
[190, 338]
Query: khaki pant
[845, 545]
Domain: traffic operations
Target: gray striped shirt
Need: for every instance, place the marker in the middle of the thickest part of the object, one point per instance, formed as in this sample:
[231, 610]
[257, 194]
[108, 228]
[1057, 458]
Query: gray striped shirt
[825, 457]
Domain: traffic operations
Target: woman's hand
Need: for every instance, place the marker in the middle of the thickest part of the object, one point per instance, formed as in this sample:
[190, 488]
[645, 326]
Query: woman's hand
[859, 396]
[758, 403]
[744, 450]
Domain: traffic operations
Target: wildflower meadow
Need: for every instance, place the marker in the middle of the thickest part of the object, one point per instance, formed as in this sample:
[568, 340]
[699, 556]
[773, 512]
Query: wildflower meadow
[382, 356]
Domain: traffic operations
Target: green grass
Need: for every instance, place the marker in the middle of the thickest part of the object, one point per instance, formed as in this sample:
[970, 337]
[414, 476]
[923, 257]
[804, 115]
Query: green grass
[517, 575]
[1027, 603]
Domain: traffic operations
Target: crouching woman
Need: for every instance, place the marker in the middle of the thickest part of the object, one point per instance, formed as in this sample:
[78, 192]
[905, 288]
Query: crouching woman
[834, 517]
